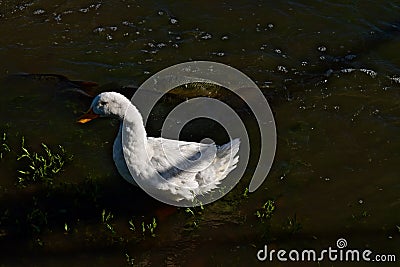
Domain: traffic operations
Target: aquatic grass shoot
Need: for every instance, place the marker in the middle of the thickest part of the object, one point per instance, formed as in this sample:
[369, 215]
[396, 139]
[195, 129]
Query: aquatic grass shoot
[195, 214]
[150, 227]
[129, 260]
[146, 228]
[41, 167]
[264, 215]
[36, 218]
[293, 225]
[66, 228]
[4, 148]
[246, 193]
[106, 220]
[132, 226]
[266, 211]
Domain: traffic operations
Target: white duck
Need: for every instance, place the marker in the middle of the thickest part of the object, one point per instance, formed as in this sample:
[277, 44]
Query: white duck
[171, 169]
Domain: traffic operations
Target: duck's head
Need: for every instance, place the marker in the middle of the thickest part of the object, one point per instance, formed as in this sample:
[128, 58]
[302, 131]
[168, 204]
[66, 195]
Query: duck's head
[107, 104]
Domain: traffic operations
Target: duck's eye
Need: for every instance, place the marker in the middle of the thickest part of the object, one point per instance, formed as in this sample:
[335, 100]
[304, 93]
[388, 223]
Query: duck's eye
[103, 103]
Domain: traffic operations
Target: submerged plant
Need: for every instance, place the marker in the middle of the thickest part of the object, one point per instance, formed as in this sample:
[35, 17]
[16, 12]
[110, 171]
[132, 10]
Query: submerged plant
[41, 168]
[293, 225]
[132, 225]
[36, 218]
[190, 211]
[264, 214]
[4, 149]
[195, 214]
[147, 228]
[106, 220]
[246, 193]
[266, 211]
[150, 227]
[129, 260]
[66, 228]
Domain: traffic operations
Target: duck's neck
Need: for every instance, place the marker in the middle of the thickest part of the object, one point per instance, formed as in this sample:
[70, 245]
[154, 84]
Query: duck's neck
[134, 139]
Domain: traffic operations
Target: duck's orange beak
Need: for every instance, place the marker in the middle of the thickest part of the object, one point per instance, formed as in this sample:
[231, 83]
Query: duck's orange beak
[88, 116]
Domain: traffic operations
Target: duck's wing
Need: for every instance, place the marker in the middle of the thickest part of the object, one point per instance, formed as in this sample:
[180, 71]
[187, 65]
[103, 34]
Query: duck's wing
[182, 163]
[194, 167]
[188, 156]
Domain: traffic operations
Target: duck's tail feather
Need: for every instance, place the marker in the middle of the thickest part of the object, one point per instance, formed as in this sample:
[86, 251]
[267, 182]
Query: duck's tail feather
[225, 161]
[228, 158]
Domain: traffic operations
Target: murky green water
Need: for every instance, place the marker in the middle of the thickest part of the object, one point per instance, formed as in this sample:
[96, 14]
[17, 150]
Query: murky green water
[330, 71]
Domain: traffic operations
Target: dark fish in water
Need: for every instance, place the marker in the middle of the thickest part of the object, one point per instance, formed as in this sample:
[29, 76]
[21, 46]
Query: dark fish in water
[87, 88]
[61, 82]
[90, 89]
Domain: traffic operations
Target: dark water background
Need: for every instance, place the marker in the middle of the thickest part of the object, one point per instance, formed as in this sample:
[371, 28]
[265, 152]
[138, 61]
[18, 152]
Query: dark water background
[330, 70]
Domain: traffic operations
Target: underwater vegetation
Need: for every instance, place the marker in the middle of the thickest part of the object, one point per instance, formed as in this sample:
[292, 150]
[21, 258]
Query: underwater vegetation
[41, 167]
